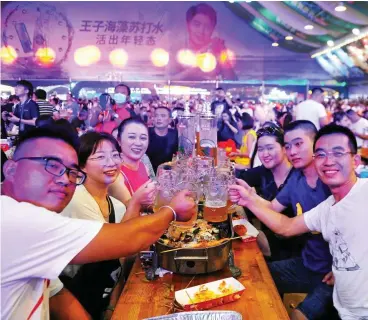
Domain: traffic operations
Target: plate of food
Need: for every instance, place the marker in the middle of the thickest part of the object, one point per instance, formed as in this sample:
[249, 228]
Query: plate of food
[209, 295]
[243, 228]
[201, 235]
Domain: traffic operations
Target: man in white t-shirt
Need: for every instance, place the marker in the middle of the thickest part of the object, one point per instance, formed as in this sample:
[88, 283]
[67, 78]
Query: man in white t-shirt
[342, 218]
[37, 244]
[312, 109]
[358, 126]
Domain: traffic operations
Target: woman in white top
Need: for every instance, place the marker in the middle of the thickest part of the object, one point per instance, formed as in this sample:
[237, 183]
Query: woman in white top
[97, 285]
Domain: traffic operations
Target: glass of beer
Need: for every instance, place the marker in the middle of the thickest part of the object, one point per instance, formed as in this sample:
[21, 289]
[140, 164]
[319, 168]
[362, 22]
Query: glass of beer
[167, 180]
[215, 206]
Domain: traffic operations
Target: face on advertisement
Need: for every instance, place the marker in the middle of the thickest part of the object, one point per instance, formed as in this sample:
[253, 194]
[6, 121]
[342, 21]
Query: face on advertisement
[200, 30]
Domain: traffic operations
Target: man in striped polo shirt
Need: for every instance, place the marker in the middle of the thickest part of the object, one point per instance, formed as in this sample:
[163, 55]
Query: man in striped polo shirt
[46, 109]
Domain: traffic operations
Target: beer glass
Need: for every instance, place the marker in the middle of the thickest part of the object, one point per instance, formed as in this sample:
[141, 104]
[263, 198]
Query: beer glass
[216, 195]
[167, 181]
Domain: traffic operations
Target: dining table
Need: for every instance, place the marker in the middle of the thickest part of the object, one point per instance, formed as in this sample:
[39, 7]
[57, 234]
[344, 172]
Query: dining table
[142, 299]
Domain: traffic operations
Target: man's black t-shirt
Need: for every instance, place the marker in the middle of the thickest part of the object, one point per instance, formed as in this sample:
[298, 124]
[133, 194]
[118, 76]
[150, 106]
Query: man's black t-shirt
[162, 149]
[218, 107]
[27, 111]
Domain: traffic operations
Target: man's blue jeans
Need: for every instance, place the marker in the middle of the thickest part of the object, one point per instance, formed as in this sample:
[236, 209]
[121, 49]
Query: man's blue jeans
[291, 276]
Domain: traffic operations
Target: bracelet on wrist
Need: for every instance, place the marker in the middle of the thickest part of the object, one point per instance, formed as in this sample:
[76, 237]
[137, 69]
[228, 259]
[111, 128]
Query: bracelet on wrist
[173, 211]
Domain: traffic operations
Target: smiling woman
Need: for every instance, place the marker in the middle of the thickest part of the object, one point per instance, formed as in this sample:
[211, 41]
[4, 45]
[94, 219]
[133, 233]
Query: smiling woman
[133, 135]
[100, 158]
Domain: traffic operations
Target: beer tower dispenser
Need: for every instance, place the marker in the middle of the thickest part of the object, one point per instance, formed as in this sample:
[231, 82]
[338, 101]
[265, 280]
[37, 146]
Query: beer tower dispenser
[207, 134]
[187, 132]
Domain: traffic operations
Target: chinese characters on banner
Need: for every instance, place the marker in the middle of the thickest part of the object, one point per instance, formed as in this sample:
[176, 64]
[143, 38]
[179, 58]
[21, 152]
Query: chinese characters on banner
[123, 32]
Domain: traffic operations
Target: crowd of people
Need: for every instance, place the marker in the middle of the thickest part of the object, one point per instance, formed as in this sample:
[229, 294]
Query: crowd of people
[96, 160]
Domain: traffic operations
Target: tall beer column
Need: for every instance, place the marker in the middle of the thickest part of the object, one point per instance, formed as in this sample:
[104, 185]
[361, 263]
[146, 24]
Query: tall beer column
[207, 145]
[187, 133]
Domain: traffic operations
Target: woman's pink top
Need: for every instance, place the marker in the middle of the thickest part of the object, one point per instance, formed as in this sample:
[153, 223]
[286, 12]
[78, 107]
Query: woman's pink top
[133, 179]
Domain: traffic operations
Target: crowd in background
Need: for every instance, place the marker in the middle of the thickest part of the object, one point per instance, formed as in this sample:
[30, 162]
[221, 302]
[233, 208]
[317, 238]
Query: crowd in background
[111, 147]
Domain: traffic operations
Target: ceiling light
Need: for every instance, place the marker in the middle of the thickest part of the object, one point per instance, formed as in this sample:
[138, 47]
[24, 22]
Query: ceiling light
[275, 44]
[340, 7]
[289, 38]
[308, 27]
[330, 43]
[356, 31]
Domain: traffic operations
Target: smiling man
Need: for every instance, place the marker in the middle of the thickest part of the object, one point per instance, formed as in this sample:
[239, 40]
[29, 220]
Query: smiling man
[342, 218]
[37, 243]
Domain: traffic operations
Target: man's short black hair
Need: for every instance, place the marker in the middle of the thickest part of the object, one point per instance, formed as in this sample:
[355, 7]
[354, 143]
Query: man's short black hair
[202, 8]
[58, 131]
[317, 90]
[40, 94]
[124, 85]
[307, 126]
[338, 116]
[219, 89]
[26, 84]
[165, 108]
[336, 129]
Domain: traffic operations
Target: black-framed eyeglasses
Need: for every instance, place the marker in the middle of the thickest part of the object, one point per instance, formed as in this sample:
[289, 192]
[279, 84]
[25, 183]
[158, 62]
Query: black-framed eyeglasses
[57, 168]
[271, 130]
[322, 155]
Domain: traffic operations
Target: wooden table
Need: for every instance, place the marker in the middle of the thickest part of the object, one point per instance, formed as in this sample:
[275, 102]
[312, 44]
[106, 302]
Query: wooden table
[260, 300]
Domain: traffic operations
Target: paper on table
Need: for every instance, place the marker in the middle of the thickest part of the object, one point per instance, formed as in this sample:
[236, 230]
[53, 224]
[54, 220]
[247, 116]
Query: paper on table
[252, 232]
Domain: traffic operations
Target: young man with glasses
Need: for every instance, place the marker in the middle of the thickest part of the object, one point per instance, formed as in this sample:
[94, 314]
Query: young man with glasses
[341, 218]
[37, 243]
[303, 191]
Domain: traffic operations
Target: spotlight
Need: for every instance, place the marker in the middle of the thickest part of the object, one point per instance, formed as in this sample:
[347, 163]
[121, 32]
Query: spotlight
[356, 31]
[308, 27]
[8, 55]
[118, 58]
[289, 38]
[206, 62]
[159, 57]
[330, 43]
[340, 7]
[45, 56]
[187, 58]
[227, 57]
[86, 56]
[275, 44]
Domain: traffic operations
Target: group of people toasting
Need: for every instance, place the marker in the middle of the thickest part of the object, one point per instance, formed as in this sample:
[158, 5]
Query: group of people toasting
[306, 185]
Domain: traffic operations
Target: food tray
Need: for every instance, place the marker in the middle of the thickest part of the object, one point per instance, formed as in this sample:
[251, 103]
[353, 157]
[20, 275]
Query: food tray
[187, 297]
[252, 232]
[201, 315]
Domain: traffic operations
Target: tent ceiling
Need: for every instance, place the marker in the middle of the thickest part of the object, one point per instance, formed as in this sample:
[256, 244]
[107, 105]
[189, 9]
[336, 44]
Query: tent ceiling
[277, 19]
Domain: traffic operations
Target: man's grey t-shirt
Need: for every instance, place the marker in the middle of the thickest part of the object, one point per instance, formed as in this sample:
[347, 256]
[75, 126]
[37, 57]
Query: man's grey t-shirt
[316, 254]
